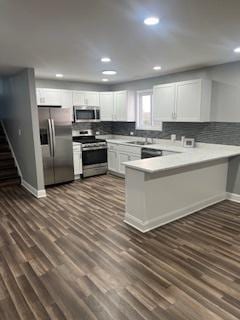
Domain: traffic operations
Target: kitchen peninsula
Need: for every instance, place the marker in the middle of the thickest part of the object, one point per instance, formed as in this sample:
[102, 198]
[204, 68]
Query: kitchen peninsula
[163, 189]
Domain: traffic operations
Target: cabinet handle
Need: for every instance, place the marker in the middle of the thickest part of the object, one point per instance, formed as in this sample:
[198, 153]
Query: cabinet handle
[173, 115]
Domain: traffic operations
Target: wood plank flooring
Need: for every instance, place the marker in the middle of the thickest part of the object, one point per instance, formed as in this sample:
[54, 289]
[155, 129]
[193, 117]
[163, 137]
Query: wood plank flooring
[70, 256]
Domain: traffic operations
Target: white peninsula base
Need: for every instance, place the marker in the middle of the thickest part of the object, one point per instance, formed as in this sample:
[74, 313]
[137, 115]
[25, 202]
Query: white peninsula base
[155, 199]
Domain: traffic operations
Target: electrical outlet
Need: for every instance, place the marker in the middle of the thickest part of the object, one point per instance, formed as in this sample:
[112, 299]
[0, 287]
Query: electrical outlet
[131, 133]
[97, 133]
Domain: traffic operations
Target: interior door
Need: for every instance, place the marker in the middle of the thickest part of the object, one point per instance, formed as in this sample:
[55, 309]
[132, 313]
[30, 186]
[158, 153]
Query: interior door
[46, 140]
[63, 149]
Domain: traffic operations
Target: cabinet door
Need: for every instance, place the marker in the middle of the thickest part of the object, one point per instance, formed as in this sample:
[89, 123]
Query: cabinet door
[66, 98]
[188, 100]
[106, 105]
[67, 101]
[164, 103]
[39, 97]
[78, 98]
[120, 106]
[51, 97]
[122, 157]
[92, 98]
[112, 160]
[76, 162]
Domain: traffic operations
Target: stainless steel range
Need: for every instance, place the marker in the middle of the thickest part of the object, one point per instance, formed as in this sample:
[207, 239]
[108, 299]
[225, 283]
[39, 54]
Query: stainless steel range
[94, 153]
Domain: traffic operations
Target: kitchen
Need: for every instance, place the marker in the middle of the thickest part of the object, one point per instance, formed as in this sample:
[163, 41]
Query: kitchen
[95, 155]
[119, 160]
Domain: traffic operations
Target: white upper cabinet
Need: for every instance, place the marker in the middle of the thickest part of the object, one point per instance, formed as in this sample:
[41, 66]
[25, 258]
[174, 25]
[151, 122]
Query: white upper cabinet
[78, 98]
[163, 103]
[193, 100]
[48, 97]
[106, 105]
[92, 98]
[54, 97]
[66, 99]
[186, 101]
[124, 107]
[87, 98]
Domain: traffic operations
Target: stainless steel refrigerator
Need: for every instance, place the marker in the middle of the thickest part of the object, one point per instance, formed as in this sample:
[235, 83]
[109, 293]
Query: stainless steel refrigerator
[56, 142]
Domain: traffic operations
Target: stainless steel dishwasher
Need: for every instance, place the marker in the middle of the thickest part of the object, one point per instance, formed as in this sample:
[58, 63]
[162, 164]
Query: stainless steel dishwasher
[150, 153]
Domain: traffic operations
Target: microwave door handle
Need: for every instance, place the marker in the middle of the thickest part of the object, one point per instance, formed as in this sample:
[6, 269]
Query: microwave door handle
[53, 137]
[74, 114]
[50, 137]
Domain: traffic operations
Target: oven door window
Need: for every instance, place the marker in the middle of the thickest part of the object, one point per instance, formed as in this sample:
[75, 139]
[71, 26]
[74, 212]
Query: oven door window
[85, 114]
[91, 157]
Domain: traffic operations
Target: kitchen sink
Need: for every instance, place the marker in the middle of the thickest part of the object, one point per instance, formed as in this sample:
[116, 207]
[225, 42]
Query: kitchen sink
[140, 143]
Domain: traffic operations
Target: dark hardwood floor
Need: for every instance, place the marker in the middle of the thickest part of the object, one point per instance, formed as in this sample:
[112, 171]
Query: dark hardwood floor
[70, 256]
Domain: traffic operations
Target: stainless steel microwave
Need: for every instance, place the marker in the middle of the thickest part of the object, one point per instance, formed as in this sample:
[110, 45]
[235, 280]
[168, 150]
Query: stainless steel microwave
[86, 114]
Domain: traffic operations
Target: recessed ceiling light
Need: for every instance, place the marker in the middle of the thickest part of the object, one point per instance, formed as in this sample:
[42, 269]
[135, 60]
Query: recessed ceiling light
[105, 59]
[105, 80]
[156, 68]
[59, 75]
[151, 21]
[237, 50]
[109, 72]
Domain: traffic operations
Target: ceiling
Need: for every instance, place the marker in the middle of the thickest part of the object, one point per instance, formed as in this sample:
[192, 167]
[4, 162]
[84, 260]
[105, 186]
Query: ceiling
[71, 36]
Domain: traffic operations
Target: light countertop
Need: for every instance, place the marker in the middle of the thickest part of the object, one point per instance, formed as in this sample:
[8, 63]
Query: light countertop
[183, 157]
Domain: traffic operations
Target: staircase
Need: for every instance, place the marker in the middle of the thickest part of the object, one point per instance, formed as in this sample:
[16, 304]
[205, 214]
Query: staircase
[8, 171]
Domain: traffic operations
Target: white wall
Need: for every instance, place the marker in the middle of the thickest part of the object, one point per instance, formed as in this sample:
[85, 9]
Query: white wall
[70, 85]
[20, 113]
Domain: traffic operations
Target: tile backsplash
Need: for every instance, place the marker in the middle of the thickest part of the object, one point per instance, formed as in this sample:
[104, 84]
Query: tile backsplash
[208, 132]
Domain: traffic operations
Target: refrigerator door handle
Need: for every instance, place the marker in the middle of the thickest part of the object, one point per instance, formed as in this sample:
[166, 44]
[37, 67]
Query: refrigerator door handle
[53, 137]
[50, 137]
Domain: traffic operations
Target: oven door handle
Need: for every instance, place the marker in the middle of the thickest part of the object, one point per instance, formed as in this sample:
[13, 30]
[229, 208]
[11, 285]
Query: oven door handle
[94, 148]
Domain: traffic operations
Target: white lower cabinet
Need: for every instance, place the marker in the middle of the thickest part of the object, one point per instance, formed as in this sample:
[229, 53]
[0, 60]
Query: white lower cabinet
[112, 160]
[122, 157]
[118, 154]
[77, 159]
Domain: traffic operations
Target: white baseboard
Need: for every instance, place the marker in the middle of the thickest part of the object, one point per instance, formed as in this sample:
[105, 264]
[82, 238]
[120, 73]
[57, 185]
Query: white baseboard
[36, 193]
[233, 197]
[12, 151]
[145, 226]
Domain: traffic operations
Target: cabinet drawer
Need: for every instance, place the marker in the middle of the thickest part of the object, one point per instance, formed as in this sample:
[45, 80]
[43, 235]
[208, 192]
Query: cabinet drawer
[130, 149]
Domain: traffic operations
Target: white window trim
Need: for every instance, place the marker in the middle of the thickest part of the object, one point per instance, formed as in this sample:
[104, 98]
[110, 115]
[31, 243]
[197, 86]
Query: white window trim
[138, 126]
